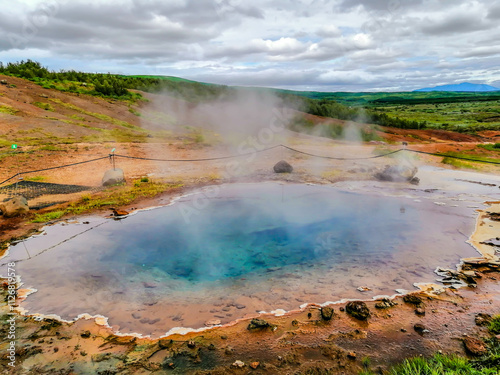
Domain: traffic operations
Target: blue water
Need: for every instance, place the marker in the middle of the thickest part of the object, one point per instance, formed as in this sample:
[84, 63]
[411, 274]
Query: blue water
[226, 252]
[258, 230]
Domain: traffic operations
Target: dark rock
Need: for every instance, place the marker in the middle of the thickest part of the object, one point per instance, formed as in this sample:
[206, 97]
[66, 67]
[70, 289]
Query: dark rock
[414, 181]
[113, 177]
[475, 346]
[326, 313]
[384, 303]
[4, 82]
[482, 319]
[351, 355]
[420, 328]
[420, 311]
[191, 344]
[358, 310]
[85, 334]
[398, 173]
[412, 299]
[403, 330]
[13, 207]
[258, 324]
[283, 167]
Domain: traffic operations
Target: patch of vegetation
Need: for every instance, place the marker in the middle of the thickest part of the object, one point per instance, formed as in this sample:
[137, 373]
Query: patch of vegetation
[8, 109]
[472, 156]
[99, 116]
[134, 112]
[491, 147]
[35, 178]
[115, 196]
[458, 163]
[494, 326]
[50, 148]
[5, 143]
[440, 365]
[45, 106]
[49, 216]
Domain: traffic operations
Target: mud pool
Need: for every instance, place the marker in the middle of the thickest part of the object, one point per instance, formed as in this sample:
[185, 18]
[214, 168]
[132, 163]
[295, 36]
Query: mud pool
[229, 252]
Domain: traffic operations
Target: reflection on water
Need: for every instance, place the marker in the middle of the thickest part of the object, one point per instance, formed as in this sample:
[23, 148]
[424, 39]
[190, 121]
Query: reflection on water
[251, 247]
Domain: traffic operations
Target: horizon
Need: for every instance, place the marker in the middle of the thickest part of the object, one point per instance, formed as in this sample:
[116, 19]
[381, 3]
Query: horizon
[314, 45]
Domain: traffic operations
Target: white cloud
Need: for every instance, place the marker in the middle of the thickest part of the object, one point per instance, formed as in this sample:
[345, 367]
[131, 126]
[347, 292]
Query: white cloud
[313, 44]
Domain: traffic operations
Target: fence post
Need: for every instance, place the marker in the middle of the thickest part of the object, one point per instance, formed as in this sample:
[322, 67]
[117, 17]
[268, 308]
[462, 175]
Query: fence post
[113, 157]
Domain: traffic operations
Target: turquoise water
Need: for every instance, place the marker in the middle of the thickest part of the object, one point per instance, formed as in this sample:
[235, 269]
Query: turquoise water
[235, 236]
[228, 252]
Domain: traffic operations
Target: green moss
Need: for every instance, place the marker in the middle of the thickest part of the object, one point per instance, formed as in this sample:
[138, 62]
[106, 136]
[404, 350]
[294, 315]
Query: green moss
[49, 216]
[8, 109]
[494, 326]
[45, 106]
[99, 116]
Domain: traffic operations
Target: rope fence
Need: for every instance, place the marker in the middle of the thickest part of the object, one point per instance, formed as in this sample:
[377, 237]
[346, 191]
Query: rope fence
[113, 156]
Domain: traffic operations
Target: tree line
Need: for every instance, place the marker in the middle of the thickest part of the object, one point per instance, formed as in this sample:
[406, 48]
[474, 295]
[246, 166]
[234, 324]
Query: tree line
[118, 86]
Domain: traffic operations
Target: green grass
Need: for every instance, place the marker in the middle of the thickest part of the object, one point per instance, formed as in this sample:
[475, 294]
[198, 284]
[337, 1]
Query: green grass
[78, 118]
[35, 178]
[440, 365]
[50, 148]
[491, 147]
[8, 109]
[494, 326]
[5, 143]
[116, 196]
[458, 163]
[49, 216]
[45, 106]
[464, 117]
[134, 112]
[99, 116]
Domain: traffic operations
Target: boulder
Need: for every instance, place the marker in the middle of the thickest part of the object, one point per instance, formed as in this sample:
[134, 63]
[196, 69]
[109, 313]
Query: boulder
[258, 324]
[3, 82]
[475, 346]
[398, 173]
[358, 310]
[420, 328]
[283, 167]
[113, 177]
[16, 206]
[412, 299]
[326, 313]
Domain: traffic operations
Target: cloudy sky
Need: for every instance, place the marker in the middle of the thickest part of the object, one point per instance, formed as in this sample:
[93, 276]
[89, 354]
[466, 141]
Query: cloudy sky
[324, 45]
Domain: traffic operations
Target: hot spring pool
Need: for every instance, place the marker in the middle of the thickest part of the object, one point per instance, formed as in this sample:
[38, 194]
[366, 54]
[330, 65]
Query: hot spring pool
[229, 252]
